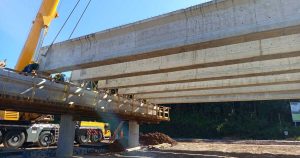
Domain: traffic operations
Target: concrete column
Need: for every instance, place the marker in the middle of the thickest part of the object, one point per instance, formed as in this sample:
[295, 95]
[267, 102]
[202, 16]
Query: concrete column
[133, 134]
[66, 137]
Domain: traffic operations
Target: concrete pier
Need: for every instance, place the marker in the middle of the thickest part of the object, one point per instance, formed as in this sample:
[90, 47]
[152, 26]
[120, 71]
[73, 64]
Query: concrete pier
[133, 134]
[65, 142]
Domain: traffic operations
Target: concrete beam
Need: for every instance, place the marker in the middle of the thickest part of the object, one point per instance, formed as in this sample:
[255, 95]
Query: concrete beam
[272, 48]
[229, 97]
[216, 23]
[222, 91]
[257, 68]
[215, 84]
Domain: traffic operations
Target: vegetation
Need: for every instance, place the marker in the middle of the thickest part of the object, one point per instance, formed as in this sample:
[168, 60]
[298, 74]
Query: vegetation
[240, 120]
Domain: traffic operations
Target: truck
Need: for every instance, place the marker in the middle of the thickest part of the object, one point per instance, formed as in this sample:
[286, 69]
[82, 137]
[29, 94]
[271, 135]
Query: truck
[14, 134]
[19, 128]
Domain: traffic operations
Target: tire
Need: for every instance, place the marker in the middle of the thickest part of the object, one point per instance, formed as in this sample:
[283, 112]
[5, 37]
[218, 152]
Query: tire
[45, 139]
[82, 137]
[14, 139]
[1, 137]
[97, 138]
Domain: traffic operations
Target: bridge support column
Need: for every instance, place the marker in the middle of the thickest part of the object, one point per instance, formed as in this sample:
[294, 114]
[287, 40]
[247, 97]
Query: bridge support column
[133, 134]
[65, 142]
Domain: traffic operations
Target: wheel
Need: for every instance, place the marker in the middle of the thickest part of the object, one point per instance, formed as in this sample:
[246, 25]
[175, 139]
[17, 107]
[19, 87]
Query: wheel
[82, 137]
[1, 137]
[45, 139]
[14, 139]
[97, 137]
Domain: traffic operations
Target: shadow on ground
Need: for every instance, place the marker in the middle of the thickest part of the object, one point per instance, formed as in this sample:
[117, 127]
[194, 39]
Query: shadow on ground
[214, 154]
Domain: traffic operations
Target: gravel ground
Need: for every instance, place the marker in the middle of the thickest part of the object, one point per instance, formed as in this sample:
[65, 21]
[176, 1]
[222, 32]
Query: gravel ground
[217, 149]
[212, 149]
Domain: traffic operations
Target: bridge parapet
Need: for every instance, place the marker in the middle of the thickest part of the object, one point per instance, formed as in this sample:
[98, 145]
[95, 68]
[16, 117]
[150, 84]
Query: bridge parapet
[36, 94]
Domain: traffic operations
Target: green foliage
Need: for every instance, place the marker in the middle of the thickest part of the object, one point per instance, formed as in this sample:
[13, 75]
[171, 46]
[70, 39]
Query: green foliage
[240, 120]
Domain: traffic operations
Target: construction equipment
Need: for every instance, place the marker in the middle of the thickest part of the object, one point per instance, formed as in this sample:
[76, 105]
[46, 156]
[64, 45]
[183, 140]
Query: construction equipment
[17, 128]
[92, 132]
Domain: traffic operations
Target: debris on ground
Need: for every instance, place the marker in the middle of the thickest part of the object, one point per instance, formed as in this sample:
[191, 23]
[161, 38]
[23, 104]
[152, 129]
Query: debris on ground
[160, 146]
[156, 139]
[118, 146]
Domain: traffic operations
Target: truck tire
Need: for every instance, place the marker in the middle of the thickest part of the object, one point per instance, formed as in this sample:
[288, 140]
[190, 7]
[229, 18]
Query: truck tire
[97, 138]
[1, 137]
[82, 137]
[14, 139]
[45, 139]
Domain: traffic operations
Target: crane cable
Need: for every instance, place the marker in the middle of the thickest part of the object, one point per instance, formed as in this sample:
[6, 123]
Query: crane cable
[65, 22]
[61, 28]
[80, 18]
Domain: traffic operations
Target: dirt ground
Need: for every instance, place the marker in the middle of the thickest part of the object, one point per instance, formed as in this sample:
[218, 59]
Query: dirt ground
[205, 148]
[217, 149]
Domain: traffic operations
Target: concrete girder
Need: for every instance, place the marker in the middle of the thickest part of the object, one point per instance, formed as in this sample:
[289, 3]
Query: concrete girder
[216, 23]
[265, 49]
[215, 84]
[223, 91]
[230, 97]
[250, 69]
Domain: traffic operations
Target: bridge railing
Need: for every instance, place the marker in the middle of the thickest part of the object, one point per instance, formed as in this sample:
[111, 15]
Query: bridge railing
[34, 87]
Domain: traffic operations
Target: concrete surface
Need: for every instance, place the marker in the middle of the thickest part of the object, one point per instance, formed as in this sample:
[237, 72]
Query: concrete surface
[230, 97]
[217, 23]
[265, 49]
[215, 84]
[65, 142]
[237, 90]
[249, 69]
[133, 134]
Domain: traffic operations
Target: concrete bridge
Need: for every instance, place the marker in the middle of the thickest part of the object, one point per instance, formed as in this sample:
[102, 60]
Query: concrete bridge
[218, 51]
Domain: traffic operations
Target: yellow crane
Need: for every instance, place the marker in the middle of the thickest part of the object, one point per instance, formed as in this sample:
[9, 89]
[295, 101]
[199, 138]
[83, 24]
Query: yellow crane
[46, 13]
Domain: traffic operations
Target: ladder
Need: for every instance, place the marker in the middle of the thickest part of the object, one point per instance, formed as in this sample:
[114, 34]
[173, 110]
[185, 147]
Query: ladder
[56, 134]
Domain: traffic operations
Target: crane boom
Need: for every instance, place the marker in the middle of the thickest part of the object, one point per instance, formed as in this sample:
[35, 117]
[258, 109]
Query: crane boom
[46, 13]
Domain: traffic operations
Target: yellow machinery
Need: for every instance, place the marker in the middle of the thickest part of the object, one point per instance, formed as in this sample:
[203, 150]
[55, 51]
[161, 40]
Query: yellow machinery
[46, 14]
[92, 131]
[103, 126]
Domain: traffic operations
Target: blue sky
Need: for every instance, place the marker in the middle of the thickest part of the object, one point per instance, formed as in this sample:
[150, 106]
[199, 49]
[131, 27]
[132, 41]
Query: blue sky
[16, 17]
